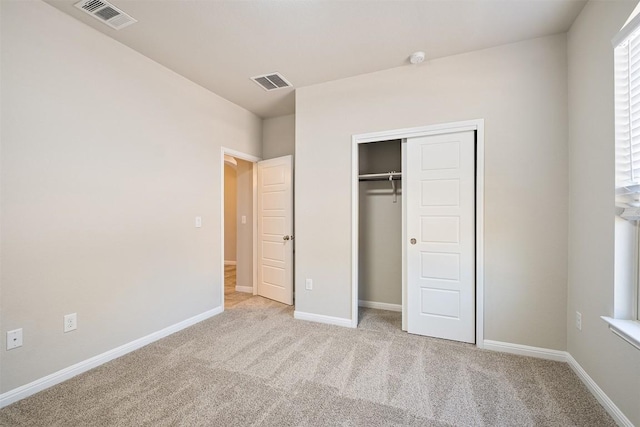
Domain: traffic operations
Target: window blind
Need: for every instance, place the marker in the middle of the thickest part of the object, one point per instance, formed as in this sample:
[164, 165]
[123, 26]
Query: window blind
[627, 119]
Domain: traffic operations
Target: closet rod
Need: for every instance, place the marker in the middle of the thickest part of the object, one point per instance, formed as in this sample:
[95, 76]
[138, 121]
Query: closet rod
[380, 176]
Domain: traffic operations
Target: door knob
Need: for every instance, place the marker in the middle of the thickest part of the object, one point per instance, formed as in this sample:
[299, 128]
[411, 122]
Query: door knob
[413, 241]
[286, 238]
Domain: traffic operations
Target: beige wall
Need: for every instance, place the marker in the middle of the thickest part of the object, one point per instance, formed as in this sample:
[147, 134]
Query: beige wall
[107, 158]
[278, 136]
[611, 362]
[521, 91]
[244, 270]
[230, 212]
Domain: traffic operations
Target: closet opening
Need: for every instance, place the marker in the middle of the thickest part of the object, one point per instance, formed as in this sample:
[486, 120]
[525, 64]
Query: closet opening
[380, 235]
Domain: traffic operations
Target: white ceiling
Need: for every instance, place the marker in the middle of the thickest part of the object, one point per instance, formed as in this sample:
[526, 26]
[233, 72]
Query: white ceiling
[221, 44]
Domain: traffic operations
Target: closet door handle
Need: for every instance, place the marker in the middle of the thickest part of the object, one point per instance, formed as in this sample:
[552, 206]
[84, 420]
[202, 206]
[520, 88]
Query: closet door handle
[413, 241]
[286, 238]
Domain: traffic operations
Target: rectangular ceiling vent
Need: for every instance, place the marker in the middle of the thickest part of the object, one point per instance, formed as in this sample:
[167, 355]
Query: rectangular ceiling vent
[106, 12]
[272, 81]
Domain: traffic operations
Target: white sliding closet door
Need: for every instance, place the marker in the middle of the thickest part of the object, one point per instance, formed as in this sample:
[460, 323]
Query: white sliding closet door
[440, 247]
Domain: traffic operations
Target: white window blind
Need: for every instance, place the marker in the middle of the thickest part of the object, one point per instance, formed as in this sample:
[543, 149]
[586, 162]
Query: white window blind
[627, 119]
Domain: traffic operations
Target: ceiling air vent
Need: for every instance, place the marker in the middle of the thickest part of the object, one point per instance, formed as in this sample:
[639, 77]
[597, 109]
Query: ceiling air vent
[273, 81]
[106, 12]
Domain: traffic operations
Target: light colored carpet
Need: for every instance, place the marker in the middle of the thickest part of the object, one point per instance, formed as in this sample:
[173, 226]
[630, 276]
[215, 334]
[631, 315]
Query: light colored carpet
[255, 365]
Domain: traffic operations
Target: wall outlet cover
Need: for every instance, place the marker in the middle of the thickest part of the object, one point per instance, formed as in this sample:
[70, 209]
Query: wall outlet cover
[14, 339]
[70, 322]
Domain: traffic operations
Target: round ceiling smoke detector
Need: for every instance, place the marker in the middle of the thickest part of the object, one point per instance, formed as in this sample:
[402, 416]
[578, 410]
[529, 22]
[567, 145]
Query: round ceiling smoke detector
[416, 57]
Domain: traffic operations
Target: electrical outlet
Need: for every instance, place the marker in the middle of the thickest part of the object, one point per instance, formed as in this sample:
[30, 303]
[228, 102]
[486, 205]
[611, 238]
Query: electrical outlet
[308, 284]
[14, 339]
[579, 320]
[70, 322]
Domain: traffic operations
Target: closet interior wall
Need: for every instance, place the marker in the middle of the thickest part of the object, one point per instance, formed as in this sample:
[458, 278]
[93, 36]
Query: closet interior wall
[380, 225]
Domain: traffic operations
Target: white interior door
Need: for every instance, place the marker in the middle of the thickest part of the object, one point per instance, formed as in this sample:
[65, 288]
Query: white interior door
[440, 247]
[275, 229]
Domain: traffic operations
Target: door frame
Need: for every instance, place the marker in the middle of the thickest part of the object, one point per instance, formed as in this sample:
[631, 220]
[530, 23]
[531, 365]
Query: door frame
[254, 160]
[403, 134]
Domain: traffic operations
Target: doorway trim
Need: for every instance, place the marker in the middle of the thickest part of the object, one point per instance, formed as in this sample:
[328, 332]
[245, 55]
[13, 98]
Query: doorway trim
[356, 140]
[253, 159]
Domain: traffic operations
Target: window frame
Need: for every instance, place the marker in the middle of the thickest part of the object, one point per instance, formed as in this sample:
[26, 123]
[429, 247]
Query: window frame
[625, 320]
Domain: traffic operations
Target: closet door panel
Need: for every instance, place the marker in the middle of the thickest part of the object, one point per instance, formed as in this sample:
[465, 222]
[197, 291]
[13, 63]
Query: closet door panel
[440, 229]
[440, 191]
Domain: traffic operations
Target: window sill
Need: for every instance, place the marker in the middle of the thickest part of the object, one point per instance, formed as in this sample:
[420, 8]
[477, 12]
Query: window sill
[628, 330]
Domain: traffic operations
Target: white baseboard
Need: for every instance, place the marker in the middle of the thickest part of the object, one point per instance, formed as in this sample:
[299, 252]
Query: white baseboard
[64, 374]
[380, 305]
[525, 350]
[319, 318]
[602, 397]
[248, 289]
[229, 262]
